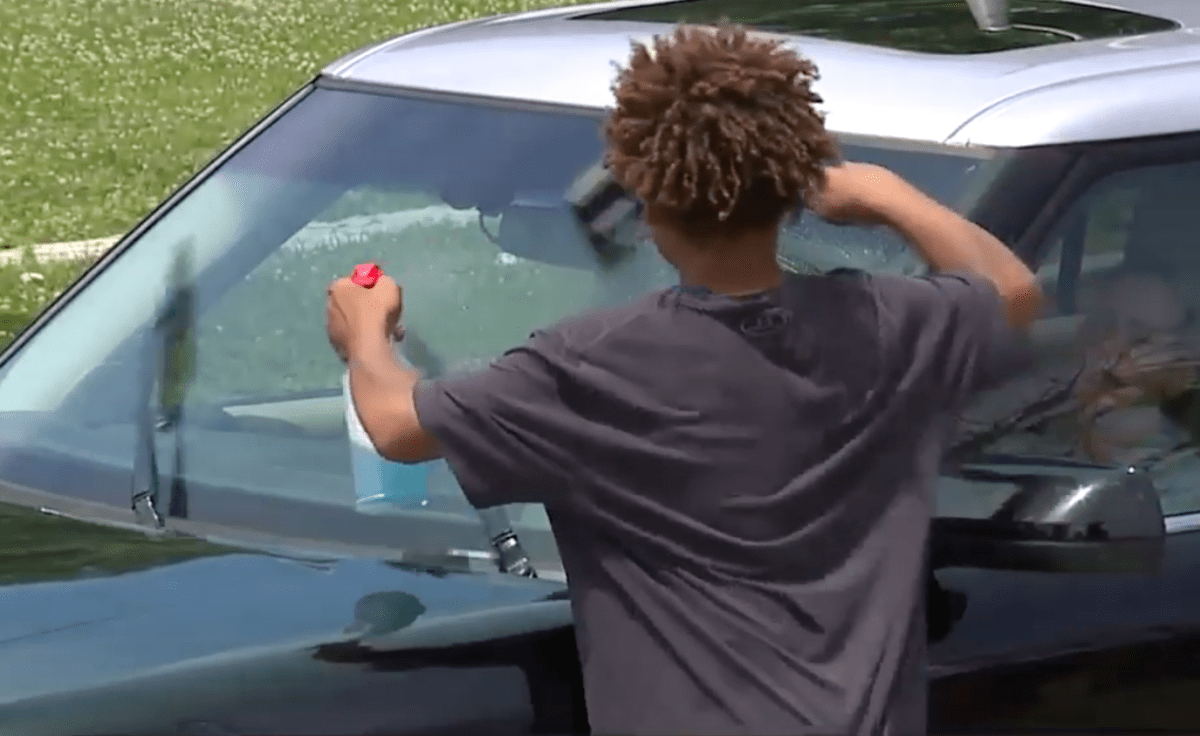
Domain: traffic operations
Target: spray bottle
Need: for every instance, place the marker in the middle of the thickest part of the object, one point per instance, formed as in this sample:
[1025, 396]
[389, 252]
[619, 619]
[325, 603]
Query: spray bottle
[381, 486]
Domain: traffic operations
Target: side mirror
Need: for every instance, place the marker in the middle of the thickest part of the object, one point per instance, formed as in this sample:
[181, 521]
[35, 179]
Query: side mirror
[1057, 523]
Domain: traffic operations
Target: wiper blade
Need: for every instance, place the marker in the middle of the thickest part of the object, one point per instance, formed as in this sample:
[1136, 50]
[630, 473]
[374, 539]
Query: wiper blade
[168, 363]
[145, 475]
[510, 555]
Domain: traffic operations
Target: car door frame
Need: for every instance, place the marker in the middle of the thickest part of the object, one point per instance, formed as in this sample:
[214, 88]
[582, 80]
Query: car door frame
[1157, 632]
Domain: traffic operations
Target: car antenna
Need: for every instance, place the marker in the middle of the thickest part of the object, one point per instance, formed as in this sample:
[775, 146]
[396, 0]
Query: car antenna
[990, 15]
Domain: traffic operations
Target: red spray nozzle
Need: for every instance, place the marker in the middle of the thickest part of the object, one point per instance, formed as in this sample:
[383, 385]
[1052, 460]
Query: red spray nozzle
[366, 274]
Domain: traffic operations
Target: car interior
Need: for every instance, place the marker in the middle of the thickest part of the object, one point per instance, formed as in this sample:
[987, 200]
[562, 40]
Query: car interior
[1112, 374]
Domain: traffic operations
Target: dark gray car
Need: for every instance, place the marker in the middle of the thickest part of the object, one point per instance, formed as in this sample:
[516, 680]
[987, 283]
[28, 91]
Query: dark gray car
[182, 552]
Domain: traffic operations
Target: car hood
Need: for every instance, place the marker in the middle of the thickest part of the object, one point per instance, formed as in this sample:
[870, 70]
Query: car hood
[69, 630]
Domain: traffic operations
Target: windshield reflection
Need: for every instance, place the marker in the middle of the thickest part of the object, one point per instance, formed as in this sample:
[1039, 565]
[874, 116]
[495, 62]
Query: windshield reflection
[420, 186]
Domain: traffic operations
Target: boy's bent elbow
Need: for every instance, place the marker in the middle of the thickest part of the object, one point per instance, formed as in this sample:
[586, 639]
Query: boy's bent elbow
[410, 446]
[402, 439]
[1023, 300]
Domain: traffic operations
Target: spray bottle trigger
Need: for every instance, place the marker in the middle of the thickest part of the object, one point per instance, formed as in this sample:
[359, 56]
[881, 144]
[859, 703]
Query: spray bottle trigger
[366, 274]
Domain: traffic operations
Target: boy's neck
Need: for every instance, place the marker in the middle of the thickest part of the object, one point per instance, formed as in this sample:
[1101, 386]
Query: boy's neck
[736, 270]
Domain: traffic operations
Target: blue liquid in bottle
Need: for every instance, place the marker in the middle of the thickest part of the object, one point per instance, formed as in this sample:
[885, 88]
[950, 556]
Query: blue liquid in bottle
[380, 485]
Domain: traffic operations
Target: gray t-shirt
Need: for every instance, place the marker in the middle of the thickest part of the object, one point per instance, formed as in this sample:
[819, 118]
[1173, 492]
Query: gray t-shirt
[741, 491]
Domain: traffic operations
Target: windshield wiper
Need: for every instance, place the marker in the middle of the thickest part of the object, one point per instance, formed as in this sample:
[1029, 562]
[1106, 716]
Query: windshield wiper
[145, 477]
[168, 361]
[510, 555]
[168, 358]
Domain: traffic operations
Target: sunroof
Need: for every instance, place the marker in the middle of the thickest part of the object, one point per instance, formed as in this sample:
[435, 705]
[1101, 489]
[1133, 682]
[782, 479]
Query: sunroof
[931, 26]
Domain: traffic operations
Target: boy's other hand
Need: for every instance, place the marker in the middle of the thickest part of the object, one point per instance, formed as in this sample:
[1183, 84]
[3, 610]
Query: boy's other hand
[854, 194]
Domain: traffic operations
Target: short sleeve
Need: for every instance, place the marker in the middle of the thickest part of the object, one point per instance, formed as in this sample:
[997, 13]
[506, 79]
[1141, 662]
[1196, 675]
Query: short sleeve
[503, 430]
[947, 332]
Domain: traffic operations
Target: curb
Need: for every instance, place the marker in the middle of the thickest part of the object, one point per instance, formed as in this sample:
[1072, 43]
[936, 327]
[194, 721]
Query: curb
[313, 235]
[92, 248]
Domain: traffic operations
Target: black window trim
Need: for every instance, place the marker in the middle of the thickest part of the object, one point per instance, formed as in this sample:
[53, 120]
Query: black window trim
[1091, 162]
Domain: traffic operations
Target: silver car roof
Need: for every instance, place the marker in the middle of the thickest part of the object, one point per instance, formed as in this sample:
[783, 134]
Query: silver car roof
[1058, 93]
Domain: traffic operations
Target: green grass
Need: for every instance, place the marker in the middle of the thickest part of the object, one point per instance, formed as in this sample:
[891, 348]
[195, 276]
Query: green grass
[107, 105]
[28, 286]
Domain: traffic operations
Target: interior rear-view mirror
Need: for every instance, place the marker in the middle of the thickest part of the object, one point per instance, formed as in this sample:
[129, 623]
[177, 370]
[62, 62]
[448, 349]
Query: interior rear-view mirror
[1059, 523]
[544, 229]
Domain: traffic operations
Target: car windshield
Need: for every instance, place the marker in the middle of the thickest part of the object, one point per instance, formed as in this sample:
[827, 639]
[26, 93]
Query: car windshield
[459, 199]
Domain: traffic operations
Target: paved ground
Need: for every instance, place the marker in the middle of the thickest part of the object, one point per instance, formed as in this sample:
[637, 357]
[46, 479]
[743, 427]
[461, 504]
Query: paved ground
[61, 251]
[313, 235]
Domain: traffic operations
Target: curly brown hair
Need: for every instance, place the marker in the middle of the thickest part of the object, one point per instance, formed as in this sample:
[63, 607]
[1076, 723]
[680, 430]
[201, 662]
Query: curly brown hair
[719, 128]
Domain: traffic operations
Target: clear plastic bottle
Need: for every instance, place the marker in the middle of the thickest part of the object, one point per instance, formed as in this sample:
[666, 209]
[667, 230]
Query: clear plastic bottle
[381, 486]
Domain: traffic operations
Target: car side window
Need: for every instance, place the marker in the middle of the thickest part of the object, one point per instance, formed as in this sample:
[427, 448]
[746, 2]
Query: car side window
[1112, 378]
